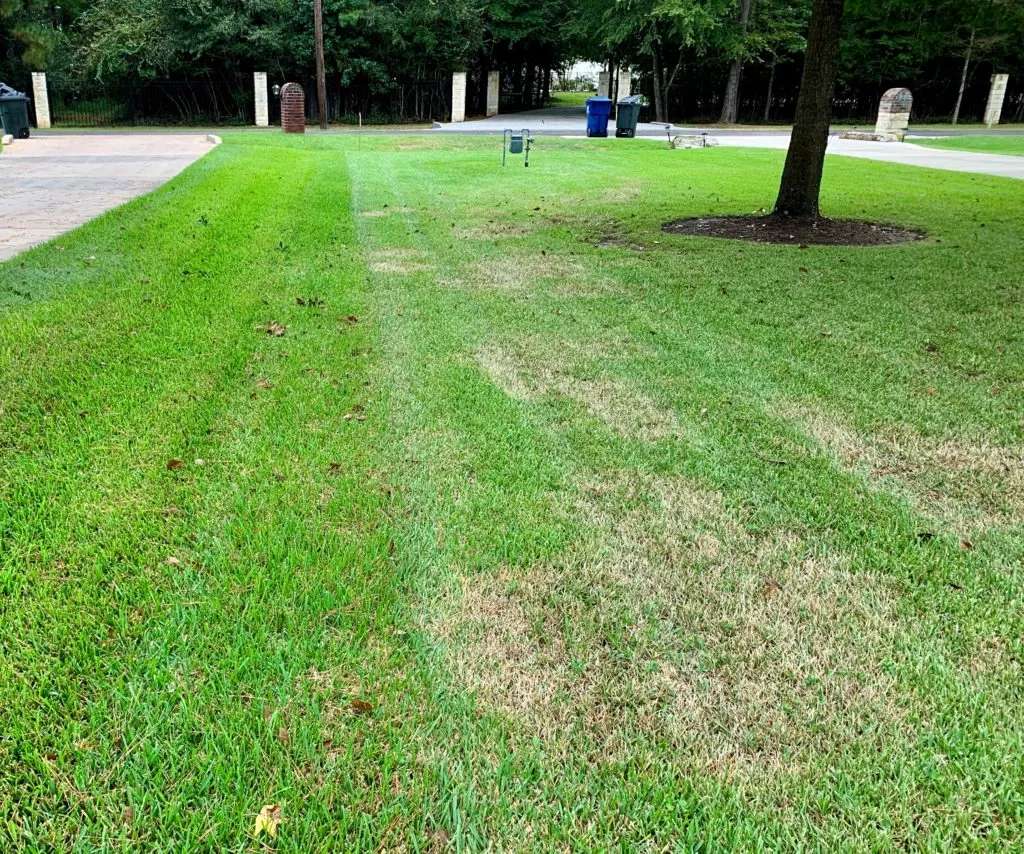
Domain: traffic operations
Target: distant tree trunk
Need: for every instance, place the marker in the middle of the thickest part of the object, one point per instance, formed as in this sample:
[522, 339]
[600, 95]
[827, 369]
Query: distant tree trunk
[963, 78]
[321, 81]
[731, 102]
[801, 177]
[771, 91]
[659, 91]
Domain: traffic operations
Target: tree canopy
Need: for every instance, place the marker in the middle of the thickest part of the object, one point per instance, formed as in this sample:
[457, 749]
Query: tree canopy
[689, 56]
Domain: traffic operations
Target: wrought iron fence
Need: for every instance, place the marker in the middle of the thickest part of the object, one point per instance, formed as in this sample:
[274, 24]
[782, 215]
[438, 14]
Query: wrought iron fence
[208, 101]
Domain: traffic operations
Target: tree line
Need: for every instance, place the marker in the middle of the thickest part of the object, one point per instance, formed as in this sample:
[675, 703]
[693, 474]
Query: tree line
[725, 60]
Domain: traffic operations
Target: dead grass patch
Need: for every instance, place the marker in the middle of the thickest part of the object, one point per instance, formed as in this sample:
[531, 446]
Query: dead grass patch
[623, 193]
[623, 408]
[745, 650]
[387, 211]
[522, 272]
[398, 261]
[491, 231]
[963, 484]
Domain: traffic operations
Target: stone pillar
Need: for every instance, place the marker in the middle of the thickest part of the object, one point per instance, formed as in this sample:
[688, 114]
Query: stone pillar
[996, 95]
[41, 98]
[602, 85]
[493, 91]
[625, 84]
[459, 96]
[894, 114]
[259, 82]
[293, 108]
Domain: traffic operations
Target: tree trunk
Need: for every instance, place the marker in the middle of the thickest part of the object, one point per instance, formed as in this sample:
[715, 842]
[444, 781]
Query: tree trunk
[801, 177]
[659, 92]
[771, 92]
[321, 80]
[730, 104]
[963, 78]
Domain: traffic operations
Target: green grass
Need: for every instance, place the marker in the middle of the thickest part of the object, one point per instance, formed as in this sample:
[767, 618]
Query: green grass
[570, 99]
[987, 144]
[537, 528]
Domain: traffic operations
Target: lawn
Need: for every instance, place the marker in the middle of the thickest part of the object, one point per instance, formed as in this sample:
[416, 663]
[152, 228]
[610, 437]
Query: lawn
[571, 99]
[444, 504]
[987, 144]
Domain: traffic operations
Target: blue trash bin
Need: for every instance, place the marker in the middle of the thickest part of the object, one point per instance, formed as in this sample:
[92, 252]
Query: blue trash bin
[598, 111]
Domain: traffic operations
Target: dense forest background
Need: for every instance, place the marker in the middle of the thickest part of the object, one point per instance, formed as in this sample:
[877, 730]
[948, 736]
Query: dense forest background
[734, 60]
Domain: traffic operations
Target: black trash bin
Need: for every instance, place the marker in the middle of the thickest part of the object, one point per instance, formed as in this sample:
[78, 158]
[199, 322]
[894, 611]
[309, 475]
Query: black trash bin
[14, 112]
[627, 116]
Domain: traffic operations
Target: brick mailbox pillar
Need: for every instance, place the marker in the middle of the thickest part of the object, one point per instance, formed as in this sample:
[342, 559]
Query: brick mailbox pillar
[293, 108]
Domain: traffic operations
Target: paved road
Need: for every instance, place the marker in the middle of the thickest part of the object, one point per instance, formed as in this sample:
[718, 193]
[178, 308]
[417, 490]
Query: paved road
[51, 184]
[1003, 165]
[571, 121]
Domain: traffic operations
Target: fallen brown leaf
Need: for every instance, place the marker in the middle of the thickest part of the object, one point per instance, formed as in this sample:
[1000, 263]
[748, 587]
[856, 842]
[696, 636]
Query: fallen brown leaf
[361, 707]
[275, 329]
[175, 464]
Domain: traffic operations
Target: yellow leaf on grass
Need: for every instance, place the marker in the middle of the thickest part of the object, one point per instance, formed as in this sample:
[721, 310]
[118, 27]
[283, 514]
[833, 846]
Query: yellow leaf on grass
[268, 820]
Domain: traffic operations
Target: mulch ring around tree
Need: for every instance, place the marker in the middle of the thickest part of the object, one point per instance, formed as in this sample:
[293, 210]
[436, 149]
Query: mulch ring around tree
[797, 231]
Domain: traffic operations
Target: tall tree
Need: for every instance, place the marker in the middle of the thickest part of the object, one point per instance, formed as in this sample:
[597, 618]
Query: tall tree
[731, 101]
[801, 178]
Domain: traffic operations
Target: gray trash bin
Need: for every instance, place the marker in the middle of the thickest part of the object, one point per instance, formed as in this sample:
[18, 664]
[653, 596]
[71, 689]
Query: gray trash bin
[14, 112]
[628, 115]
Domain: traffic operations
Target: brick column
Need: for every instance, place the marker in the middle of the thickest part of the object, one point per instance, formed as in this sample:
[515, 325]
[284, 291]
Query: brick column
[493, 91]
[259, 82]
[42, 99]
[293, 108]
[996, 95]
[459, 96]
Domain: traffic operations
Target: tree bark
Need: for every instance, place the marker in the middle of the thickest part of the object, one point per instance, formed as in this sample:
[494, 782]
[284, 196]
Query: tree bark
[801, 178]
[731, 101]
[771, 92]
[659, 92]
[321, 80]
[963, 78]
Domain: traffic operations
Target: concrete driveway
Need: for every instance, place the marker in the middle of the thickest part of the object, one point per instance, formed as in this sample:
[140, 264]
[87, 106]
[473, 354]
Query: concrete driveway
[571, 121]
[52, 183]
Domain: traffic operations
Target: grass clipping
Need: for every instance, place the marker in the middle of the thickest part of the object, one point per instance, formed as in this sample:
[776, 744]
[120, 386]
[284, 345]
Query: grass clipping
[742, 650]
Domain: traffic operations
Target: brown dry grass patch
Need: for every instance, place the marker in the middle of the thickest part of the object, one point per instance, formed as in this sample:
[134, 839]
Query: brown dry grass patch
[745, 650]
[517, 273]
[491, 231]
[382, 212]
[398, 262]
[964, 484]
[623, 193]
[531, 374]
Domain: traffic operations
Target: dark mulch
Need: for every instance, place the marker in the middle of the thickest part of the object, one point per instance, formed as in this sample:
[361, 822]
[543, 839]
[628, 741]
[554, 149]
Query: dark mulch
[802, 232]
